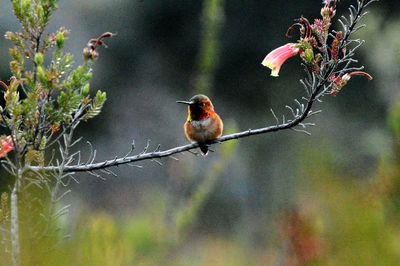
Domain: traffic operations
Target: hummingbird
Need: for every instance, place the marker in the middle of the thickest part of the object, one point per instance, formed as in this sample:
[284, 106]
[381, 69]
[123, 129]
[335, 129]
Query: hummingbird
[203, 124]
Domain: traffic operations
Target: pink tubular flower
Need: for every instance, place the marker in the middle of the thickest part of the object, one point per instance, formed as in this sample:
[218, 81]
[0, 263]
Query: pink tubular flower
[6, 146]
[275, 59]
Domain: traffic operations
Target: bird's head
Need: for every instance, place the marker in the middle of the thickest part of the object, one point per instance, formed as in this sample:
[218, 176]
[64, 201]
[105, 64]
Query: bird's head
[199, 107]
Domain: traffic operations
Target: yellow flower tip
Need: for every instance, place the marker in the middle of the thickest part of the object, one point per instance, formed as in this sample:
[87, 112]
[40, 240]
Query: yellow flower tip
[274, 73]
[268, 63]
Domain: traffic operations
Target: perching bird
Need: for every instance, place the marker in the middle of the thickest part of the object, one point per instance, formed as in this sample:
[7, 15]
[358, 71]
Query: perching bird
[203, 124]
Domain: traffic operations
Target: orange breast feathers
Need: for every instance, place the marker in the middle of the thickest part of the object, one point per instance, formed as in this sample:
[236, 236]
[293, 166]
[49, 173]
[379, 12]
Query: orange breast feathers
[203, 127]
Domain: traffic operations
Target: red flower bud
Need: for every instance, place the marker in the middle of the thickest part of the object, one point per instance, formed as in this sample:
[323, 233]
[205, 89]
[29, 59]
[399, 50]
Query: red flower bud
[340, 82]
[357, 73]
[6, 145]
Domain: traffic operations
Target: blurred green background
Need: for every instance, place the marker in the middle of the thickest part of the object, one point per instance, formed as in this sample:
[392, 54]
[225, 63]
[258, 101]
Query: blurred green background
[277, 199]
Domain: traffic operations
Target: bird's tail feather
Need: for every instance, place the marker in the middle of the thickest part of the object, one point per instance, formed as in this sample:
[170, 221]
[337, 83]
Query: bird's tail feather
[204, 150]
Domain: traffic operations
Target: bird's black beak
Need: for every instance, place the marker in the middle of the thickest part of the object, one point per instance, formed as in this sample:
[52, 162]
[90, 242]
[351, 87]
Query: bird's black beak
[185, 102]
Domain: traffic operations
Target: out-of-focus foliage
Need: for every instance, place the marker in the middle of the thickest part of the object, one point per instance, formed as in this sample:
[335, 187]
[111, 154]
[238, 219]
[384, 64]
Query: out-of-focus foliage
[353, 221]
[212, 18]
[4, 209]
[187, 216]
[394, 122]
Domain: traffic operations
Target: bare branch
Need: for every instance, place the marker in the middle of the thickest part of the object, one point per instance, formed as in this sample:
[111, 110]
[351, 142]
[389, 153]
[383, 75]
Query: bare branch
[144, 155]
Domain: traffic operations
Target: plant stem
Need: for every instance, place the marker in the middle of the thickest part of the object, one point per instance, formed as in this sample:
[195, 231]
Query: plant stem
[15, 243]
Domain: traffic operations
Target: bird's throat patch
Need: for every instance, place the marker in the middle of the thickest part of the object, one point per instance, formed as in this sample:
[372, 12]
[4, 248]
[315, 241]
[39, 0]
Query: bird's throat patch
[197, 113]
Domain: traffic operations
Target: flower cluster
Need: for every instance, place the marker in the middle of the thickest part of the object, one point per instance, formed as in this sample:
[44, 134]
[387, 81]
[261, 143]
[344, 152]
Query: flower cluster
[316, 47]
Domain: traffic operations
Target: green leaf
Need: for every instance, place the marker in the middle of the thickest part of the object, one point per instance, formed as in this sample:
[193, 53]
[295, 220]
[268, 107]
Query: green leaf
[85, 90]
[39, 59]
[60, 39]
[96, 106]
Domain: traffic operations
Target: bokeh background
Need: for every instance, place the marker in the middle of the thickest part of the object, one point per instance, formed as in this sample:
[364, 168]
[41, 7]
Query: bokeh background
[277, 199]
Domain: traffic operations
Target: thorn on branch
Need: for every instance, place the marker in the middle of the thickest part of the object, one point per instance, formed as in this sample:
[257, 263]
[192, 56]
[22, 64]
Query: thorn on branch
[157, 161]
[108, 172]
[135, 165]
[193, 152]
[75, 142]
[311, 113]
[276, 118]
[131, 150]
[301, 131]
[173, 158]
[97, 175]
[72, 176]
[146, 147]
[158, 148]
